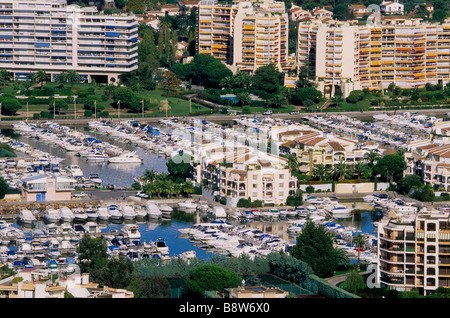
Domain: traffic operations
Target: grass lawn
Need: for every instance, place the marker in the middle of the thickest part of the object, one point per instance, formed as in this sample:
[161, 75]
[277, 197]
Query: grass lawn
[179, 107]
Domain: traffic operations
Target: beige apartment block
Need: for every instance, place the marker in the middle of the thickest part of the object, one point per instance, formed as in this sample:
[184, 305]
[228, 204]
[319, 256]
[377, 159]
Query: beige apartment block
[239, 172]
[414, 251]
[244, 35]
[348, 56]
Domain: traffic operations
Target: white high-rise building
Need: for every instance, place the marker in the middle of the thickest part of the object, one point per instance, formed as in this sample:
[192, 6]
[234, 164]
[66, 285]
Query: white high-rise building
[55, 37]
[244, 35]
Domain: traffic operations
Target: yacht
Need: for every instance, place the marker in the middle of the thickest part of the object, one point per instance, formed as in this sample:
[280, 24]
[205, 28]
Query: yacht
[66, 214]
[103, 213]
[128, 212]
[165, 210]
[341, 211]
[92, 214]
[80, 215]
[95, 178]
[153, 210]
[115, 214]
[52, 215]
[26, 217]
[97, 157]
[187, 205]
[126, 157]
[75, 171]
[131, 231]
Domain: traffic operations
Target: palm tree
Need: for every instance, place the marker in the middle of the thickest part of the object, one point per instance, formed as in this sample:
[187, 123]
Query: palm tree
[242, 79]
[149, 175]
[188, 188]
[359, 241]
[372, 156]
[341, 170]
[5, 77]
[361, 169]
[73, 77]
[243, 98]
[227, 82]
[61, 78]
[40, 77]
[319, 171]
[177, 189]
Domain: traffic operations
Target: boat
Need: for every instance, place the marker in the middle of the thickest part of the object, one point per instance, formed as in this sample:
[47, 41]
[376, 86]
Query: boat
[75, 170]
[161, 246]
[114, 213]
[341, 211]
[131, 231]
[92, 214]
[187, 205]
[166, 211]
[80, 215]
[128, 212]
[103, 213]
[126, 157]
[153, 210]
[97, 156]
[92, 227]
[26, 217]
[66, 214]
[218, 212]
[52, 215]
[95, 178]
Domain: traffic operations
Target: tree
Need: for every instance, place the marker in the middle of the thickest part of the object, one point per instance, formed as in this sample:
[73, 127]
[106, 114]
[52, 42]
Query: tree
[319, 171]
[188, 188]
[170, 82]
[10, 105]
[315, 247]
[117, 273]
[40, 76]
[372, 156]
[355, 96]
[243, 98]
[409, 184]
[61, 78]
[179, 168]
[5, 77]
[307, 93]
[242, 80]
[391, 167]
[73, 77]
[92, 253]
[354, 282]
[439, 15]
[267, 78]
[58, 105]
[150, 287]
[359, 241]
[211, 278]
[4, 187]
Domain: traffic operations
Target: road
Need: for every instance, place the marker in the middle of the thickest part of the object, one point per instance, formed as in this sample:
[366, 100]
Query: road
[221, 118]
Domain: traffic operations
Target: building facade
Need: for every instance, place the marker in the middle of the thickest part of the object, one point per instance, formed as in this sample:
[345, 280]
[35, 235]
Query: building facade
[56, 37]
[414, 251]
[244, 35]
[348, 56]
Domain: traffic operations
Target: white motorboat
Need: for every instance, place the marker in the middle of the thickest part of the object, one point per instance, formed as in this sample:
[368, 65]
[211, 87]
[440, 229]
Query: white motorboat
[103, 213]
[166, 211]
[26, 217]
[126, 157]
[153, 210]
[80, 215]
[341, 211]
[52, 215]
[161, 246]
[131, 231]
[66, 214]
[97, 157]
[218, 212]
[92, 214]
[114, 213]
[92, 227]
[128, 212]
[95, 178]
[75, 171]
[187, 205]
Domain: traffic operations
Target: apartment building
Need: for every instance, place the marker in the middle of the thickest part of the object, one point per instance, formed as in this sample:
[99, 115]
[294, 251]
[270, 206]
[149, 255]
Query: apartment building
[313, 148]
[239, 172]
[348, 56]
[244, 35]
[55, 37]
[414, 251]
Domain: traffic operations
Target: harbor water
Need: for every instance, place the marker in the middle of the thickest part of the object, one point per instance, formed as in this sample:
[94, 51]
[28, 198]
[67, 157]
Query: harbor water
[122, 176]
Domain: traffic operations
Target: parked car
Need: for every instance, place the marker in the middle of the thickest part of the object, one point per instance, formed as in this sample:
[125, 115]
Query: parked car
[268, 112]
[79, 195]
[294, 112]
[142, 195]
